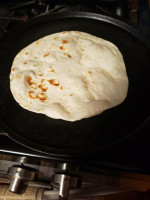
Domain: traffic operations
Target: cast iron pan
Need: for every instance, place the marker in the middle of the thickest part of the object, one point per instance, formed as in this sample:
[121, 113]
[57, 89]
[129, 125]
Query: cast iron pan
[58, 137]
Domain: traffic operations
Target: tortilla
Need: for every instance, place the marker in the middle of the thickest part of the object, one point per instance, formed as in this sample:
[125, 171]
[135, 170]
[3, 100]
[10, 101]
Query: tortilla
[69, 75]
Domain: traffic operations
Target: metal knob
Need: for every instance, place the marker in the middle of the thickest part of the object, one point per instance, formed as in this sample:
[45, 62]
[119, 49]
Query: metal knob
[20, 176]
[65, 182]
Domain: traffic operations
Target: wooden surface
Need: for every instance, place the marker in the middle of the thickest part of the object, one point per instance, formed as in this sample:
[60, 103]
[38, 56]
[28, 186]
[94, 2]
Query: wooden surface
[32, 193]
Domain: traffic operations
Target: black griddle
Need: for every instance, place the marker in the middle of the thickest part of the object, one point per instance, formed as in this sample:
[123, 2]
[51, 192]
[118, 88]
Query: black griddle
[131, 154]
[86, 136]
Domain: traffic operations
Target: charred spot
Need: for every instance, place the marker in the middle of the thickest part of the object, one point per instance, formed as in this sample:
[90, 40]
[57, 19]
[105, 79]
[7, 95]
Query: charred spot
[53, 82]
[45, 55]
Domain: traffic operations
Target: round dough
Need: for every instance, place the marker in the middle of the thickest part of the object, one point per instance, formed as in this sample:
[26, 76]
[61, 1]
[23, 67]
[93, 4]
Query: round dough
[69, 75]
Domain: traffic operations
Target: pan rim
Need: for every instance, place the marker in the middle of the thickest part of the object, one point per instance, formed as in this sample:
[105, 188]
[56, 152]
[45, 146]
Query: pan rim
[57, 15]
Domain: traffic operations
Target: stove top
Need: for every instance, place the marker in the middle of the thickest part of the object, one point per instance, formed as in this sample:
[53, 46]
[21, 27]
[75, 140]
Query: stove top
[130, 155]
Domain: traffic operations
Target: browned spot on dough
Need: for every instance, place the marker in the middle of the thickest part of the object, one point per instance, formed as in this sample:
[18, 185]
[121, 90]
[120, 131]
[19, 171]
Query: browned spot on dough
[40, 74]
[29, 78]
[64, 41]
[93, 82]
[41, 96]
[71, 95]
[31, 94]
[89, 72]
[43, 88]
[33, 85]
[55, 39]
[36, 64]
[67, 49]
[42, 81]
[35, 57]
[30, 83]
[85, 83]
[18, 76]
[25, 63]
[52, 70]
[62, 48]
[20, 52]
[82, 49]
[64, 32]
[13, 69]
[53, 82]
[37, 42]
[46, 54]
[27, 53]
[61, 88]
[68, 55]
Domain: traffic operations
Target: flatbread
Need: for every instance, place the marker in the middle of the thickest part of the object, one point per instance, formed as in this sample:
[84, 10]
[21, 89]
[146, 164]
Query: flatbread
[69, 75]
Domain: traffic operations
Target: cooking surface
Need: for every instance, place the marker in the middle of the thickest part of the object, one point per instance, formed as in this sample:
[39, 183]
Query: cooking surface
[128, 156]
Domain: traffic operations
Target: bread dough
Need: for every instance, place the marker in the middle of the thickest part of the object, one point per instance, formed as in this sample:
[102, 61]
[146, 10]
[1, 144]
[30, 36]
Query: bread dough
[69, 75]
